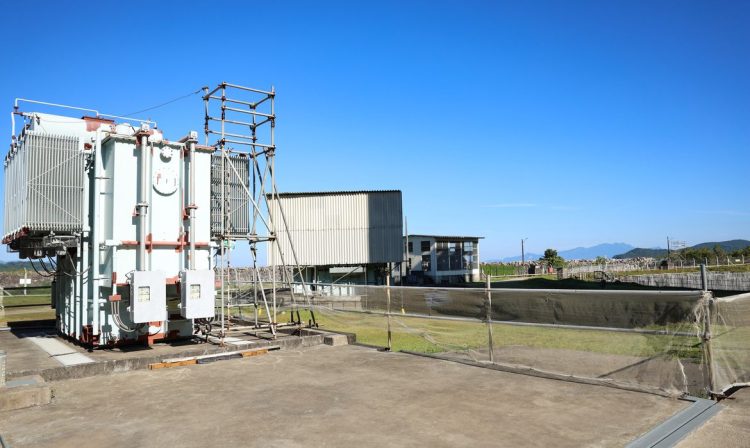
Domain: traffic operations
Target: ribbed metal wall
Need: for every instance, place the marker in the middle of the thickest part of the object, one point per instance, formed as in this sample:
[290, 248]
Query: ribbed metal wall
[237, 203]
[44, 184]
[346, 228]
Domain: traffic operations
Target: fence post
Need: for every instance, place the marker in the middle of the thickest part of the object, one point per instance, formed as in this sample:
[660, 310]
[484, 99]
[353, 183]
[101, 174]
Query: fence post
[706, 336]
[388, 308]
[489, 318]
[709, 301]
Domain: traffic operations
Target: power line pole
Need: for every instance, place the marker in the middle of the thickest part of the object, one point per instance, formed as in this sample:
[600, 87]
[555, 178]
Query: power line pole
[668, 251]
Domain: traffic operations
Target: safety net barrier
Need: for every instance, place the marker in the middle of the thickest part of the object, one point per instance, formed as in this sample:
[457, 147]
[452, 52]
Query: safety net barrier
[729, 343]
[667, 342]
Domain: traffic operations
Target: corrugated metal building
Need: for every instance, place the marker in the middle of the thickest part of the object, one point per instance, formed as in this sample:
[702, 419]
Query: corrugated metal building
[344, 236]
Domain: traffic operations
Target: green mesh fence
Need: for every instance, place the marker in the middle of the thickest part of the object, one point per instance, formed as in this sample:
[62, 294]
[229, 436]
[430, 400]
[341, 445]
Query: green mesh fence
[671, 342]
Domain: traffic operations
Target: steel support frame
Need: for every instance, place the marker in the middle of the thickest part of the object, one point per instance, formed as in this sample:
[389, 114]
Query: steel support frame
[252, 134]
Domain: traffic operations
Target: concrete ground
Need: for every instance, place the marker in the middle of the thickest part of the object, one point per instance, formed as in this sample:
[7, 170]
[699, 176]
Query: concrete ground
[22, 354]
[333, 396]
[24, 357]
[730, 427]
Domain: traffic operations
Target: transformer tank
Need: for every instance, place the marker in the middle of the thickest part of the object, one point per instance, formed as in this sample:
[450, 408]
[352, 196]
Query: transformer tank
[119, 218]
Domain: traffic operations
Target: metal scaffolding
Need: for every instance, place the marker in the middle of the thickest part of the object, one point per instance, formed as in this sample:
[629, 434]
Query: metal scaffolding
[243, 121]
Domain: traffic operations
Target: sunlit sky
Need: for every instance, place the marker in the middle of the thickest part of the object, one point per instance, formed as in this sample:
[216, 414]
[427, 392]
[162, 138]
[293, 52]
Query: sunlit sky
[567, 123]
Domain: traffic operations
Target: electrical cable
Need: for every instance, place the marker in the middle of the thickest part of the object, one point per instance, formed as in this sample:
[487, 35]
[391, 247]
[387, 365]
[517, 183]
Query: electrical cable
[164, 104]
[46, 269]
[115, 307]
[35, 270]
[76, 273]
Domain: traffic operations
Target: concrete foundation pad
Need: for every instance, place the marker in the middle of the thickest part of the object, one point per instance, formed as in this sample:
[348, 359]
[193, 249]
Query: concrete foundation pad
[335, 397]
[23, 393]
[335, 339]
[52, 345]
[30, 353]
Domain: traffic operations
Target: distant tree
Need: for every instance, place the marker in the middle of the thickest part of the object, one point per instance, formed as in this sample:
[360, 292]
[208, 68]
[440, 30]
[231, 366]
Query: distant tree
[600, 260]
[719, 251]
[551, 258]
[699, 255]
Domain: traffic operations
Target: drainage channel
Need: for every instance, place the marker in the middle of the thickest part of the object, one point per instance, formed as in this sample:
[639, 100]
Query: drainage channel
[675, 428]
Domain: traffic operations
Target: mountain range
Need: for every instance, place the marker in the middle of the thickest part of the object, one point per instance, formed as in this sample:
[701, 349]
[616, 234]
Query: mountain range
[728, 246]
[607, 250]
[624, 250]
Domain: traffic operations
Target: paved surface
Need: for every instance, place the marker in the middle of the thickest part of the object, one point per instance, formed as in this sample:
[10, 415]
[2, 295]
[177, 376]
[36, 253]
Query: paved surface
[333, 396]
[23, 354]
[63, 353]
[729, 428]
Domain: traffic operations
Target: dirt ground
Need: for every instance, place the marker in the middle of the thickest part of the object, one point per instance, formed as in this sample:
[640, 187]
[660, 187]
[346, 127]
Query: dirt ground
[333, 396]
[670, 375]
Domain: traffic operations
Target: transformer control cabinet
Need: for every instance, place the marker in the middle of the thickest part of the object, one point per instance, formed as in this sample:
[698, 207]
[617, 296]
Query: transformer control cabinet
[197, 294]
[148, 296]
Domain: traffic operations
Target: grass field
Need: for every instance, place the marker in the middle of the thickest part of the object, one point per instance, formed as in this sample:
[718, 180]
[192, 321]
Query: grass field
[33, 306]
[35, 297]
[434, 336]
[501, 269]
[34, 314]
[551, 282]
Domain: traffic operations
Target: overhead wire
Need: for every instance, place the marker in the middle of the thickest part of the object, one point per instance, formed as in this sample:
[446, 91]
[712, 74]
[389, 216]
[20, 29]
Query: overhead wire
[164, 104]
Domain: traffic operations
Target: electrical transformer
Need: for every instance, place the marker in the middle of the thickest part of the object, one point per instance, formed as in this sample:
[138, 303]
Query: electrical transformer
[119, 218]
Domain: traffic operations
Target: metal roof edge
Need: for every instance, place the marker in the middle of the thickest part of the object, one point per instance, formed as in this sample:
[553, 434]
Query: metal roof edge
[328, 193]
[447, 236]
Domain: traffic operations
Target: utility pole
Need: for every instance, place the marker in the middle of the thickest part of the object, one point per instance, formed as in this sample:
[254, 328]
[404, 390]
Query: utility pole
[407, 258]
[668, 251]
[523, 255]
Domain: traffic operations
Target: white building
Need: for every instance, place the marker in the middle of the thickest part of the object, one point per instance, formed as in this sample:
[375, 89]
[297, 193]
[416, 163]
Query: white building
[340, 236]
[442, 259]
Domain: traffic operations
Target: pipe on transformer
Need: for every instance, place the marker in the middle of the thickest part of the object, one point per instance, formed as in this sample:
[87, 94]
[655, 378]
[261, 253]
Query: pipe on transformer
[142, 206]
[148, 192]
[191, 203]
[96, 235]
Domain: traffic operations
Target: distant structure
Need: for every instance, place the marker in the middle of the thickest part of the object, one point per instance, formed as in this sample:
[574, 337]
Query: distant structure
[434, 259]
[343, 237]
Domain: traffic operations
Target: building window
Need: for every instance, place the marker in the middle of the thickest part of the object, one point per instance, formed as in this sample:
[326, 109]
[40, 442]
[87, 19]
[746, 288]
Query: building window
[456, 258]
[469, 258]
[426, 263]
[425, 246]
[443, 256]
[411, 247]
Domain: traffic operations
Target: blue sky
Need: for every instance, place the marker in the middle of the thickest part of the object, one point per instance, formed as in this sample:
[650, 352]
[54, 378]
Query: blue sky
[567, 123]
